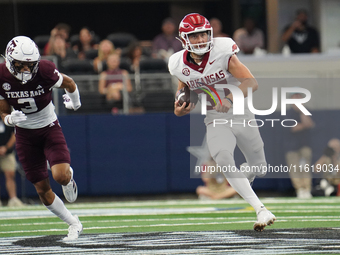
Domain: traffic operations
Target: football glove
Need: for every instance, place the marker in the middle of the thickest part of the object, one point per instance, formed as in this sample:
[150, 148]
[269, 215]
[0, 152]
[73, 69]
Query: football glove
[15, 118]
[72, 100]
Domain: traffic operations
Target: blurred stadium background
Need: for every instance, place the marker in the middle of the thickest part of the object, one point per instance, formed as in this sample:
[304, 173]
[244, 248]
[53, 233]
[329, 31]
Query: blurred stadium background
[125, 154]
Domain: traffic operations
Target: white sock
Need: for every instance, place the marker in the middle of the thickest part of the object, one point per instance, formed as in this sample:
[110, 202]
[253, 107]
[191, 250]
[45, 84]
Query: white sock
[238, 180]
[243, 188]
[59, 209]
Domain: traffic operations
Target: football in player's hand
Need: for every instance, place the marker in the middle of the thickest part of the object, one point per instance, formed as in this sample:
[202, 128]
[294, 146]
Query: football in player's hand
[185, 95]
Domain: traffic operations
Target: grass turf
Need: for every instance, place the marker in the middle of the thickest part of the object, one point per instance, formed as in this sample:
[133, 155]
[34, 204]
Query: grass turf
[172, 215]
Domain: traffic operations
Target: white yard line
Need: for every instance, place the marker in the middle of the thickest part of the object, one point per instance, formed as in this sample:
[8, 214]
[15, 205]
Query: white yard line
[6, 215]
[236, 202]
[302, 218]
[229, 220]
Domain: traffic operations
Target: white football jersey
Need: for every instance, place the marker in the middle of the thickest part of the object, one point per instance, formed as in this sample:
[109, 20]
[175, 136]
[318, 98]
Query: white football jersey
[212, 70]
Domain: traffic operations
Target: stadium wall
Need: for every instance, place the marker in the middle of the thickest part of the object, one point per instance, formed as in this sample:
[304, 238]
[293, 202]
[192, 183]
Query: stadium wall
[146, 154]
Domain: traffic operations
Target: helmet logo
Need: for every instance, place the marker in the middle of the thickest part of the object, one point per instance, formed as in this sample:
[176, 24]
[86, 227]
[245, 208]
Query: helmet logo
[197, 20]
[11, 47]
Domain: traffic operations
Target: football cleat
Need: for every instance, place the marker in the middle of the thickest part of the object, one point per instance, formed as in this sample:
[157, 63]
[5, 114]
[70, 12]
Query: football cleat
[70, 190]
[74, 230]
[264, 218]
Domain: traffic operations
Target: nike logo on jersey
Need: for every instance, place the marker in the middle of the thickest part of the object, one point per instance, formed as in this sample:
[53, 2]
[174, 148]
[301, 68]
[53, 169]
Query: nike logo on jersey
[212, 62]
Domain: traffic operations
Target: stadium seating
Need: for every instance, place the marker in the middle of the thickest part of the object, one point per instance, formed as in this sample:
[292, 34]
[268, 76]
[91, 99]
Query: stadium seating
[151, 65]
[41, 41]
[92, 103]
[77, 66]
[91, 54]
[74, 39]
[121, 40]
[158, 101]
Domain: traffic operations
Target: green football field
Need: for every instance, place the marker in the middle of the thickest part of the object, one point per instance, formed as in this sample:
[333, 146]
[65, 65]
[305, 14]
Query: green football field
[189, 217]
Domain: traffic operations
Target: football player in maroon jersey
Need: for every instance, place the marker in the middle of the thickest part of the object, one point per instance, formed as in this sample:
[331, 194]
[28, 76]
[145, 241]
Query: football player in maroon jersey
[205, 63]
[26, 86]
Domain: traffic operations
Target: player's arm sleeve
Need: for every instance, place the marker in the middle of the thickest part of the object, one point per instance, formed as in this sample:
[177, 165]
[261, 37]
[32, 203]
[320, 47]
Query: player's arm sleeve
[50, 74]
[230, 49]
[59, 81]
[173, 64]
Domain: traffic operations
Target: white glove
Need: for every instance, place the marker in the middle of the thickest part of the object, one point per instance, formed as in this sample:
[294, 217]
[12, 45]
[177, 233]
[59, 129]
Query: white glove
[72, 100]
[69, 104]
[15, 118]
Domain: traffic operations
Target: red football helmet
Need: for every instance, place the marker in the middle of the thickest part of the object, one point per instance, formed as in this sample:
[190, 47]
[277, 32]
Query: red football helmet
[195, 23]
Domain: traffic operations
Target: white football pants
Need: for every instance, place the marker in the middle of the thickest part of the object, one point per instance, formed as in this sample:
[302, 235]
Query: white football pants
[222, 140]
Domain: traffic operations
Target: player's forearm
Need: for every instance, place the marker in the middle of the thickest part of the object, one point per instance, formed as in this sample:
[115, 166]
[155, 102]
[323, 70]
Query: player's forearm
[245, 84]
[68, 84]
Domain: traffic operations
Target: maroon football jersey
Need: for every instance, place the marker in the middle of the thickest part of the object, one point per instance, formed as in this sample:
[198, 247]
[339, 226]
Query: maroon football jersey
[35, 94]
[33, 98]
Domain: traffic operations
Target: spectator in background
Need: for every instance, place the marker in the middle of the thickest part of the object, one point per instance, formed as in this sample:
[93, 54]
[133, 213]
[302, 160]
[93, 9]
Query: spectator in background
[165, 44]
[328, 164]
[61, 30]
[298, 150]
[105, 49]
[111, 81]
[8, 163]
[86, 42]
[215, 186]
[249, 37]
[217, 26]
[135, 54]
[60, 49]
[300, 37]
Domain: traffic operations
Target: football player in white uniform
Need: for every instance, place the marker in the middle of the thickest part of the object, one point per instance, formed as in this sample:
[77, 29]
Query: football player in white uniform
[204, 63]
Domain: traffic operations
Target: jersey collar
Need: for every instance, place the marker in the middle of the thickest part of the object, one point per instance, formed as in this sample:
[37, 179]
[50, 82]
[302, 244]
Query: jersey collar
[197, 68]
